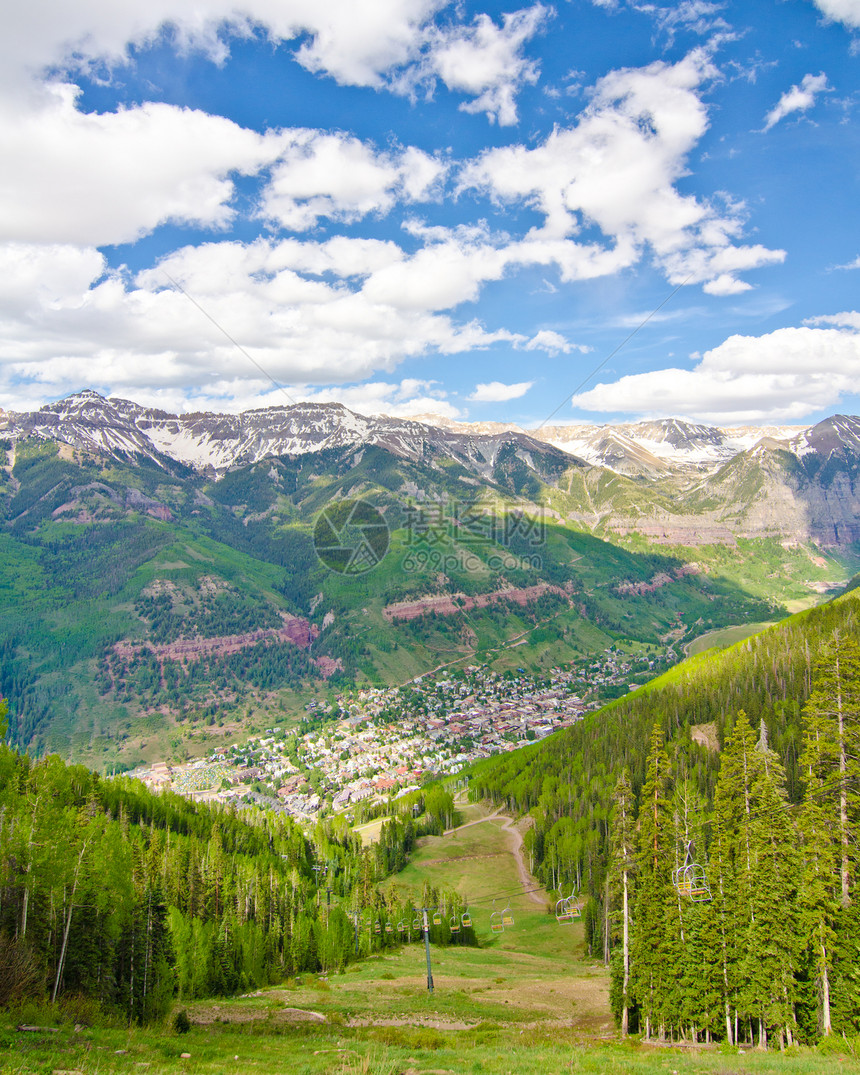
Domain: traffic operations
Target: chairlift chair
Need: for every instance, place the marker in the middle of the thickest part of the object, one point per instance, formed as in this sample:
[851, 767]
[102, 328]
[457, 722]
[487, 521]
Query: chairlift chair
[389, 928]
[466, 920]
[690, 879]
[563, 910]
[437, 918]
[401, 927]
[507, 917]
[496, 924]
[454, 924]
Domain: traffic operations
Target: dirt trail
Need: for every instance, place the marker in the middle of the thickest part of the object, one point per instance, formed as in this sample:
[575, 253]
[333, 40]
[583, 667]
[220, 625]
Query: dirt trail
[530, 885]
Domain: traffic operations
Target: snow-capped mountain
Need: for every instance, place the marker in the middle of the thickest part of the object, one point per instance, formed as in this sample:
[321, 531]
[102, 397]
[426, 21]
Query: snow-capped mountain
[672, 481]
[657, 447]
[212, 443]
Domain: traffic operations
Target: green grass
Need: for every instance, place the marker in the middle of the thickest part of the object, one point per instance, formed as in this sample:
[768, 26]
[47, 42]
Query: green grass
[267, 1043]
[726, 636]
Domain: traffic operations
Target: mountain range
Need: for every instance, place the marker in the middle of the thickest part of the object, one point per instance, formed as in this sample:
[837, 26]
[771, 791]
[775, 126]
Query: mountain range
[161, 578]
[672, 481]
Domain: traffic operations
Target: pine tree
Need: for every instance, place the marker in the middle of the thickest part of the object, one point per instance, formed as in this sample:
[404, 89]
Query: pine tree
[821, 850]
[652, 967]
[733, 859]
[772, 947]
[833, 717]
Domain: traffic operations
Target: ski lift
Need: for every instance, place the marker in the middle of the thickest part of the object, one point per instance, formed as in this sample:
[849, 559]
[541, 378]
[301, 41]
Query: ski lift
[496, 925]
[437, 918]
[454, 924]
[401, 927]
[466, 920]
[389, 928]
[377, 926]
[507, 917]
[690, 879]
[566, 910]
[417, 924]
[563, 910]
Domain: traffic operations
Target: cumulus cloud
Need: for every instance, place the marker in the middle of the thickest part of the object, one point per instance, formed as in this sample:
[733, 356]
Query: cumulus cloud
[334, 175]
[798, 99]
[106, 178]
[390, 44]
[782, 376]
[298, 309]
[409, 398]
[485, 61]
[847, 319]
[496, 392]
[354, 41]
[103, 178]
[553, 343]
[844, 11]
[617, 168]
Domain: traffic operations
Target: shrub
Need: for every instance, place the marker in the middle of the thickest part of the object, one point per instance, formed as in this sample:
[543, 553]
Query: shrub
[20, 976]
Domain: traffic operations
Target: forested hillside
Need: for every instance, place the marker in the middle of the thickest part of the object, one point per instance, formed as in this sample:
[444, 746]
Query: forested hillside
[128, 898]
[770, 805]
[145, 606]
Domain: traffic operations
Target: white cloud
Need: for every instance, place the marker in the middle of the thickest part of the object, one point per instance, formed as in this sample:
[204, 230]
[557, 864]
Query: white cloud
[782, 376]
[725, 284]
[321, 174]
[496, 392]
[844, 11]
[553, 343]
[798, 99]
[377, 43]
[103, 178]
[848, 319]
[855, 264]
[354, 41]
[299, 309]
[407, 399]
[617, 168]
[485, 61]
[699, 16]
[106, 178]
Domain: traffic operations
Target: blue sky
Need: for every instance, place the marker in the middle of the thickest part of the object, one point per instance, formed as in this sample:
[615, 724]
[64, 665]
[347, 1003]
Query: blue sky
[579, 212]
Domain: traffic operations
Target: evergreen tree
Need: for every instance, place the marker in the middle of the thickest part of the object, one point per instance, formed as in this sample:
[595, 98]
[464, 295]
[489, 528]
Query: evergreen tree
[652, 978]
[833, 718]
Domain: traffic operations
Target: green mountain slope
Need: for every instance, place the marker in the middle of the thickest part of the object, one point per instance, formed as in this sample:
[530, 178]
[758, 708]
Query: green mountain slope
[148, 608]
[567, 780]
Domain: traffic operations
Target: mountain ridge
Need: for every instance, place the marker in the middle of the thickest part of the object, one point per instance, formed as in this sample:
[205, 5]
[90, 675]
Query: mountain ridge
[215, 441]
[669, 481]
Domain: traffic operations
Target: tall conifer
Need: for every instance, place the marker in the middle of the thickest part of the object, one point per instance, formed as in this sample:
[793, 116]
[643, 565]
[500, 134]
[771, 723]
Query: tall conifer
[652, 975]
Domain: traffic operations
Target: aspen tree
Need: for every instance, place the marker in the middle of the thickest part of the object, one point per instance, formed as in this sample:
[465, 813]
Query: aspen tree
[623, 822]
